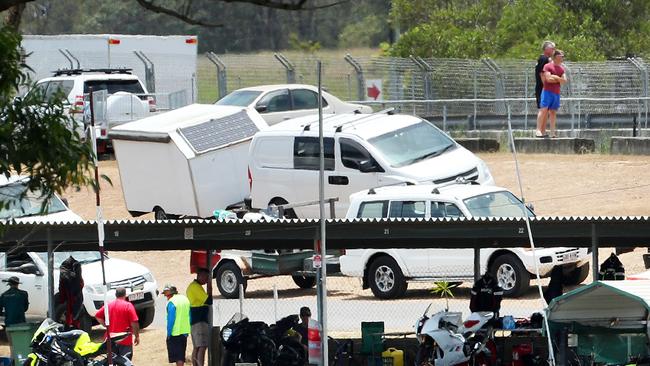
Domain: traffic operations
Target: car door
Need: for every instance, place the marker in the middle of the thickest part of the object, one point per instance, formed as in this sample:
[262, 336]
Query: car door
[447, 263]
[275, 106]
[306, 165]
[305, 102]
[32, 280]
[415, 260]
[351, 159]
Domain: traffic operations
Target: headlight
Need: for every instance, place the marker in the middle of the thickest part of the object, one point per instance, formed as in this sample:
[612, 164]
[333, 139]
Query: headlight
[148, 277]
[98, 289]
[225, 335]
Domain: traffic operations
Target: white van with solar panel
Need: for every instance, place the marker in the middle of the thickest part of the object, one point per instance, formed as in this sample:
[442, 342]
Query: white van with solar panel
[361, 151]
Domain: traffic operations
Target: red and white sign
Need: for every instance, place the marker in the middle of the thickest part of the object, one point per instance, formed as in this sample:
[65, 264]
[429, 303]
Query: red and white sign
[374, 90]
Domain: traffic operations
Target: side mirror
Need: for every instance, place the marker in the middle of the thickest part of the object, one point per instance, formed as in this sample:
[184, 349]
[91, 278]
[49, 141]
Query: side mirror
[530, 207]
[29, 268]
[65, 202]
[366, 166]
[261, 108]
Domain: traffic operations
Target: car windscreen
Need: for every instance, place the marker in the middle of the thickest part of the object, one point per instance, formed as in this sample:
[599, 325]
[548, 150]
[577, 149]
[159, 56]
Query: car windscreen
[411, 144]
[241, 98]
[82, 257]
[113, 86]
[496, 204]
[21, 204]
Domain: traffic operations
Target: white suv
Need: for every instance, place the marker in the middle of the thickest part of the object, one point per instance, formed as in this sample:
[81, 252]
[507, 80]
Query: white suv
[31, 267]
[127, 98]
[387, 271]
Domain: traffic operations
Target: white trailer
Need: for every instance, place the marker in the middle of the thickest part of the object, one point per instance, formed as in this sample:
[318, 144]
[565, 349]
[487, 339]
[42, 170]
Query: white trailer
[186, 162]
[173, 57]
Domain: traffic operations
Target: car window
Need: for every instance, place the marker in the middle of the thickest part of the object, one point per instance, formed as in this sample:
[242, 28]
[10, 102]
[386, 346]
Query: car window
[41, 88]
[59, 86]
[306, 151]
[20, 203]
[241, 98]
[352, 153]
[496, 204]
[275, 101]
[445, 209]
[407, 209]
[305, 99]
[113, 86]
[82, 257]
[377, 209]
[16, 260]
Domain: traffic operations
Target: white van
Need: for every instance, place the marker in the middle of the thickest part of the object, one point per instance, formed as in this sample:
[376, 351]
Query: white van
[388, 271]
[361, 151]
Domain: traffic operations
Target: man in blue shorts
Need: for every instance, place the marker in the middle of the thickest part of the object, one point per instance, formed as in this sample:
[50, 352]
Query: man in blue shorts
[553, 77]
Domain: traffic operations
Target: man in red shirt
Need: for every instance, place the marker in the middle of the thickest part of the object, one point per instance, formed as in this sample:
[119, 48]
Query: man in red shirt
[553, 77]
[122, 318]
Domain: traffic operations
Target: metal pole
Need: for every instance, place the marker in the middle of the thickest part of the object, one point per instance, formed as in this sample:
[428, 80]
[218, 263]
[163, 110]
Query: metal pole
[477, 264]
[475, 96]
[444, 118]
[526, 103]
[211, 308]
[594, 253]
[50, 274]
[100, 228]
[322, 311]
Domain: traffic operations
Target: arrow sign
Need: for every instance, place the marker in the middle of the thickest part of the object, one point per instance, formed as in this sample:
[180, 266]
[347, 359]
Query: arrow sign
[373, 89]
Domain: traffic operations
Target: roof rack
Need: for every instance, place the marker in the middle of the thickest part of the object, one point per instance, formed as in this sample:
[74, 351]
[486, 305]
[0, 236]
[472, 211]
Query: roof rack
[60, 72]
[388, 111]
[406, 183]
[307, 126]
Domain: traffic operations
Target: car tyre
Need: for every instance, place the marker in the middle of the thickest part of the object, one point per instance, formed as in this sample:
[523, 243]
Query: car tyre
[577, 275]
[228, 279]
[304, 281]
[386, 279]
[159, 214]
[511, 275]
[145, 317]
[288, 214]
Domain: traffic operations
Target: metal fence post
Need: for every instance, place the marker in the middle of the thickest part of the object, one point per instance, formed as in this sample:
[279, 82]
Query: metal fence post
[643, 71]
[149, 71]
[444, 118]
[499, 89]
[475, 97]
[361, 83]
[222, 76]
[526, 102]
[349, 79]
[291, 70]
[569, 73]
[425, 70]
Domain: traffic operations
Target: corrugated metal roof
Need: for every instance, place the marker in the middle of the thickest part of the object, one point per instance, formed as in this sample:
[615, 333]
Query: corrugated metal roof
[605, 301]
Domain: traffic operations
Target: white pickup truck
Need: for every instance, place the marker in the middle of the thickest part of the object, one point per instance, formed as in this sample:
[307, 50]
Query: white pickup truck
[31, 267]
[388, 271]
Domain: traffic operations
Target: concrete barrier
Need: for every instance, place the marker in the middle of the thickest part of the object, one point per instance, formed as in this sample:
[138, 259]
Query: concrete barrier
[479, 144]
[630, 145]
[562, 145]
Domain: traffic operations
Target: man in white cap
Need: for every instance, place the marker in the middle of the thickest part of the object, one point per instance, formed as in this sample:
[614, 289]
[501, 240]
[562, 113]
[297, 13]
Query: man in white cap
[13, 302]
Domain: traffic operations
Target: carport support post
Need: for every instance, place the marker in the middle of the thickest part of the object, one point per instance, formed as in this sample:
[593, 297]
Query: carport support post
[477, 263]
[211, 308]
[594, 253]
[50, 274]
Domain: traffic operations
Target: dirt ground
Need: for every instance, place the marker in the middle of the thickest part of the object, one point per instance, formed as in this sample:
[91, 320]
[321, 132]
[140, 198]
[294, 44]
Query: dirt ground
[557, 185]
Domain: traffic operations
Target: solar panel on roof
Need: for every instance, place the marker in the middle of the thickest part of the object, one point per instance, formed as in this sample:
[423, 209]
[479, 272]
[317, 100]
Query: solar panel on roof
[219, 132]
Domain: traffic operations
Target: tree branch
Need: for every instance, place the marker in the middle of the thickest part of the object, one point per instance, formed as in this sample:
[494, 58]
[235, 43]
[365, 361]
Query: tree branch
[6, 4]
[149, 5]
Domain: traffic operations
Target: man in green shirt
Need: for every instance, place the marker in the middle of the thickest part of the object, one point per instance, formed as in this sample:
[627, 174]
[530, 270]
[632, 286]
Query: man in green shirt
[13, 302]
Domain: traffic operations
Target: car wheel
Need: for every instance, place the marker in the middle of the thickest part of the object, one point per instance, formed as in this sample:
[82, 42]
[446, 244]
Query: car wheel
[577, 275]
[228, 278]
[159, 214]
[145, 317]
[386, 279]
[511, 275]
[304, 281]
[289, 213]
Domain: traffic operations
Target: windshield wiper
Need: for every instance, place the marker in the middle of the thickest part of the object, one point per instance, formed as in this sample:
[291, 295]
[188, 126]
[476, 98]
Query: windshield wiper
[431, 154]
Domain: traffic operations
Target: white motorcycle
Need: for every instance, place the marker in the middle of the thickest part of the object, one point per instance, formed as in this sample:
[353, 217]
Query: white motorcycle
[444, 340]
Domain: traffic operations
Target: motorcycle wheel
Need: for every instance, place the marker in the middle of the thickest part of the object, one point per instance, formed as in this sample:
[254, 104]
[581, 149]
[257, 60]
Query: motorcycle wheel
[229, 358]
[267, 352]
[424, 355]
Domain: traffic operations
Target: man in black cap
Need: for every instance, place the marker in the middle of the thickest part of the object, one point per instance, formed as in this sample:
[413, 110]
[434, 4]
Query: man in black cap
[13, 302]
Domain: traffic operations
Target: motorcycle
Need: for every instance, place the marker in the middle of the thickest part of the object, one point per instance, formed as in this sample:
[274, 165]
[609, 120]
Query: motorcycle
[256, 342]
[446, 341]
[51, 346]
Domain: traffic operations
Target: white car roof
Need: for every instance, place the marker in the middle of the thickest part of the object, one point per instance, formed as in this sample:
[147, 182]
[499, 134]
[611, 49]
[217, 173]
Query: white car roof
[92, 76]
[266, 88]
[456, 192]
[12, 179]
[368, 125]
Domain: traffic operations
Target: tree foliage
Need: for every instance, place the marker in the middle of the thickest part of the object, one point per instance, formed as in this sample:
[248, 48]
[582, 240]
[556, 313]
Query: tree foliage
[37, 137]
[584, 29]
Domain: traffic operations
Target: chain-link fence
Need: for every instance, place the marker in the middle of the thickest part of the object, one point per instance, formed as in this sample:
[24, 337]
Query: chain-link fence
[610, 93]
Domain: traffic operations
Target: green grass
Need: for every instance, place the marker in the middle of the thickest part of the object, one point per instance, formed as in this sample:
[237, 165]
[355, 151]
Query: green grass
[262, 68]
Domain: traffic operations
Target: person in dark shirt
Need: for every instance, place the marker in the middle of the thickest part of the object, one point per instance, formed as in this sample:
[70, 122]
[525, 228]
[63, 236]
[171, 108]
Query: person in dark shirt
[548, 48]
[13, 302]
[303, 327]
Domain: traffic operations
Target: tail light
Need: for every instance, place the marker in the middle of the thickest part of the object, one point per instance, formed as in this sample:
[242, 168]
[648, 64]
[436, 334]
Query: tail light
[250, 179]
[470, 323]
[103, 132]
[152, 103]
[78, 105]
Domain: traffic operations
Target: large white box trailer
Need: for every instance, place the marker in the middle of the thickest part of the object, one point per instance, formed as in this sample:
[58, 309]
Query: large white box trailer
[174, 57]
[186, 162]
